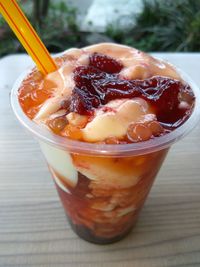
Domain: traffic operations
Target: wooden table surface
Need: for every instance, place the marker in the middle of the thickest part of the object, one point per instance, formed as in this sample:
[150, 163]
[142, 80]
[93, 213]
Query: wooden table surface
[33, 227]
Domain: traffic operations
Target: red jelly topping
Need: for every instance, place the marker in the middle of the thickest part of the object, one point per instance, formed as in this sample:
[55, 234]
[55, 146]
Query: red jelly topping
[99, 83]
[163, 94]
[83, 101]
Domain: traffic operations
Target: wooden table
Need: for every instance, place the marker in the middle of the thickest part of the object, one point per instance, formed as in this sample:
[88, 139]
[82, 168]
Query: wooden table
[33, 227]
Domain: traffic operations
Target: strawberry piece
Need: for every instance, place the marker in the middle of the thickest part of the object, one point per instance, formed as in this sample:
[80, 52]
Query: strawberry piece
[105, 63]
[163, 94]
[83, 102]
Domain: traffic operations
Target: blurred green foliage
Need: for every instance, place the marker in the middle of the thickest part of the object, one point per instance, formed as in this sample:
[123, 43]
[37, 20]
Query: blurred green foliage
[172, 25]
[57, 27]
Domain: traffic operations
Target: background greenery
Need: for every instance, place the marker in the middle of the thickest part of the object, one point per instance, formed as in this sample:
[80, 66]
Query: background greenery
[172, 25]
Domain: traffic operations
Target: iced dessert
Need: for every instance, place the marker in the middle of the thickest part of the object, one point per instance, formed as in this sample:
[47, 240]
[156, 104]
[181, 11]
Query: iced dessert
[106, 94]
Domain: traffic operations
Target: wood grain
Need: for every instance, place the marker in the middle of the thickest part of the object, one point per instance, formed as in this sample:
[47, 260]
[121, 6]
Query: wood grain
[33, 227]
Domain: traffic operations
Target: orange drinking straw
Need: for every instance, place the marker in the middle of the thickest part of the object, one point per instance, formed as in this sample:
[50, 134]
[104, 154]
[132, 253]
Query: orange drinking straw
[27, 36]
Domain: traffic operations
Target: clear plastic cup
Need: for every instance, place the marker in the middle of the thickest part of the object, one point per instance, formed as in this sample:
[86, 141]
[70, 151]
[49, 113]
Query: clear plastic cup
[103, 187]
